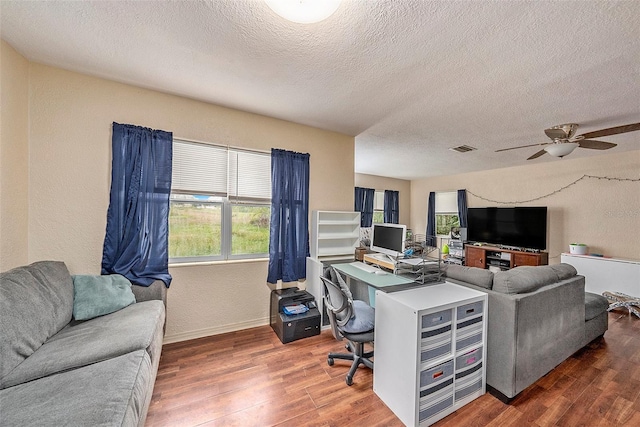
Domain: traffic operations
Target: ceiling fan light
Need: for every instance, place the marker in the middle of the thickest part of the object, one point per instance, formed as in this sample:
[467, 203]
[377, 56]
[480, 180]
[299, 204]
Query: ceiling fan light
[304, 11]
[561, 149]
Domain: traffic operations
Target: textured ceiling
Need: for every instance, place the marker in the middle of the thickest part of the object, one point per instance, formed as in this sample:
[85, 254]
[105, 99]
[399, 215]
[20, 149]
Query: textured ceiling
[409, 79]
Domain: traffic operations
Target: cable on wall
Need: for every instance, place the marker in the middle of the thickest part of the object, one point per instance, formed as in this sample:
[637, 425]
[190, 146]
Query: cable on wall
[555, 191]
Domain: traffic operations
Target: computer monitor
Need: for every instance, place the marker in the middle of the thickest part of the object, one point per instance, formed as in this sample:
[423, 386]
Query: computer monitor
[388, 239]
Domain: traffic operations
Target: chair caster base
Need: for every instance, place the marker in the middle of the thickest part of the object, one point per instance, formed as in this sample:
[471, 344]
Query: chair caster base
[330, 361]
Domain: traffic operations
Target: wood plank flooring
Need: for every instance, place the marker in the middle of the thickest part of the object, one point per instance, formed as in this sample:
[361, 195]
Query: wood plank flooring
[249, 378]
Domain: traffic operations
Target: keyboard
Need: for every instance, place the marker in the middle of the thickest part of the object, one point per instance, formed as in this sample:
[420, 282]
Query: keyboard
[364, 267]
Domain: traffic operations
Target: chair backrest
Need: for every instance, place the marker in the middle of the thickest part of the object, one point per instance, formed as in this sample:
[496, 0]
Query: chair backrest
[337, 301]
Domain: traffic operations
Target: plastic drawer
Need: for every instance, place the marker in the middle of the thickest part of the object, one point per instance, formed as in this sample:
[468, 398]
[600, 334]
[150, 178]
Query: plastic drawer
[468, 369]
[433, 320]
[436, 390]
[436, 335]
[469, 339]
[432, 377]
[469, 331]
[431, 409]
[466, 388]
[466, 361]
[436, 349]
[469, 310]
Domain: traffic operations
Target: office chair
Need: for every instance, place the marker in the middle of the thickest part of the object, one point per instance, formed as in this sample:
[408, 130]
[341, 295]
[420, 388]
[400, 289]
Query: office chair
[349, 319]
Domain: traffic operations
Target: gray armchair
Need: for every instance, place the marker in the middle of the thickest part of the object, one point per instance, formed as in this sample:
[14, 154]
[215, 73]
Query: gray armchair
[349, 319]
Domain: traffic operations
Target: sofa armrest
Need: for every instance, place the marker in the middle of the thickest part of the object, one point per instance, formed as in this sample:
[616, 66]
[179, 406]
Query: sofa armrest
[532, 333]
[156, 291]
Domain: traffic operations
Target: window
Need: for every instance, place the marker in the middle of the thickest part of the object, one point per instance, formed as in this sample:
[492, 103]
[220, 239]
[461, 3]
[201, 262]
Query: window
[378, 207]
[220, 203]
[446, 213]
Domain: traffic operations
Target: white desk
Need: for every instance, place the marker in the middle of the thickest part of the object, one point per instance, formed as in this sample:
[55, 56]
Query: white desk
[386, 282]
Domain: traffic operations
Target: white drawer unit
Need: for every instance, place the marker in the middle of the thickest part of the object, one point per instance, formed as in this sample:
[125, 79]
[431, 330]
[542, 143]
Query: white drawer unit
[429, 344]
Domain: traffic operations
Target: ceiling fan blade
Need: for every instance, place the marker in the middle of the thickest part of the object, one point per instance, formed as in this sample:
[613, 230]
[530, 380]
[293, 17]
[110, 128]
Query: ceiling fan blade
[538, 154]
[595, 145]
[524, 146]
[612, 131]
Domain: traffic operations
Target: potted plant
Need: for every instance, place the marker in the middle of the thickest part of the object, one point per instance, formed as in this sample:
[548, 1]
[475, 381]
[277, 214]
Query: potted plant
[578, 248]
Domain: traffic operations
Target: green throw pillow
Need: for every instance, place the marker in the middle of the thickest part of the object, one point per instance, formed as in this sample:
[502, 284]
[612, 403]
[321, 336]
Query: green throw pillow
[95, 296]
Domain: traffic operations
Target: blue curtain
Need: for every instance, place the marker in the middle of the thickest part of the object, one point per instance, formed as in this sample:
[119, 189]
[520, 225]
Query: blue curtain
[431, 221]
[289, 232]
[462, 207]
[364, 204]
[391, 207]
[136, 239]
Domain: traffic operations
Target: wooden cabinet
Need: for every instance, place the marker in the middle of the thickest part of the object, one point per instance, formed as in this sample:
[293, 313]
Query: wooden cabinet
[504, 259]
[528, 258]
[475, 257]
[430, 352]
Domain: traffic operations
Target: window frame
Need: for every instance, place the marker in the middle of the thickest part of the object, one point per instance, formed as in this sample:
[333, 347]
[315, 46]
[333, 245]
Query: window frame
[378, 206]
[446, 214]
[227, 202]
[201, 258]
[446, 204]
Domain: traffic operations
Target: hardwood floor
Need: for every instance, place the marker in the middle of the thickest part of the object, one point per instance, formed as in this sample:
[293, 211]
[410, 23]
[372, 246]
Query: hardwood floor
[249, 378]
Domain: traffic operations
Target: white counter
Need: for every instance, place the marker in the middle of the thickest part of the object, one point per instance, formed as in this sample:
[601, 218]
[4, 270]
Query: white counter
[606, 274]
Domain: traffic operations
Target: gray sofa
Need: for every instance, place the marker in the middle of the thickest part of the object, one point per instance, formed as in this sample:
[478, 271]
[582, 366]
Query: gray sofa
[537, 317]
[57, 371]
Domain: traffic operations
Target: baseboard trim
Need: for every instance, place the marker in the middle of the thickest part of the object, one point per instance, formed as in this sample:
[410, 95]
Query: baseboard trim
[201, 333]
[501, 396]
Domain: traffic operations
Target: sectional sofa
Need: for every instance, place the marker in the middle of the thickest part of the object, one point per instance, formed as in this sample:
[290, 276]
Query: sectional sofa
[56, 370]
[537, 317]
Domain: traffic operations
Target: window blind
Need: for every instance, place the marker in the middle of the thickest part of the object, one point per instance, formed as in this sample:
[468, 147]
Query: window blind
[249, 175]
[220, 171]
[447, 203]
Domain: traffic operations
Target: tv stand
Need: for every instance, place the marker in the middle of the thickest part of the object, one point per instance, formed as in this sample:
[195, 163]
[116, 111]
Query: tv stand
[503, 259]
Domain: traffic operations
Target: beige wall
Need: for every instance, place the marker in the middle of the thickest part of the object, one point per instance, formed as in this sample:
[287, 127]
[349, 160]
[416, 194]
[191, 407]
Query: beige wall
[381, 183]
[604, 214]
[14, 158]
[71, 116]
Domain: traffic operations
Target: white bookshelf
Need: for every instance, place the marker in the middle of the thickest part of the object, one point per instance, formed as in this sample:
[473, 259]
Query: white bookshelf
[334, 234]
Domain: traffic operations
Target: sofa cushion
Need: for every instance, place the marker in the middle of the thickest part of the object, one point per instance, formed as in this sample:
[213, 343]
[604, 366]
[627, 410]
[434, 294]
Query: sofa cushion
[95, 296]
[472, 275]
[363, 318]
[83, 343]
[564, 271]
[594, 305]
[524, 279]
[36, 302]
[115, 392]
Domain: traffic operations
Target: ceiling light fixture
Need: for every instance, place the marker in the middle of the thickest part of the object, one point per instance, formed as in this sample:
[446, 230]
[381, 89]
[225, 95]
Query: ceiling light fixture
[304, 11]
[561, 149]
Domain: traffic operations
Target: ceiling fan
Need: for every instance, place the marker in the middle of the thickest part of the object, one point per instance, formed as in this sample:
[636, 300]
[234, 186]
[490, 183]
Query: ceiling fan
[564, 139]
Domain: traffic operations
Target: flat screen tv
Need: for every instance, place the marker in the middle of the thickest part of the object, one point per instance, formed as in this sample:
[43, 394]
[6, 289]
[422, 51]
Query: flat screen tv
[388, 239]
[523, 227]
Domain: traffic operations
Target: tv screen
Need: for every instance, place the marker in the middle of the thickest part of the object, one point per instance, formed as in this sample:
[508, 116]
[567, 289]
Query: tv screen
[388, 239]
[523, 227]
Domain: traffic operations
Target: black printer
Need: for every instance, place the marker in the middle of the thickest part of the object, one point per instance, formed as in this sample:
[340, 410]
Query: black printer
[296, 326]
